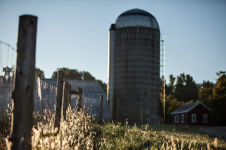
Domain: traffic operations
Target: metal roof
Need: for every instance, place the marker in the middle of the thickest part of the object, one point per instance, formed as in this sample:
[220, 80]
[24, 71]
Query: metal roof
[87, 86]
[136, 11]
[188, 107]
[91, 91]
[136, 18]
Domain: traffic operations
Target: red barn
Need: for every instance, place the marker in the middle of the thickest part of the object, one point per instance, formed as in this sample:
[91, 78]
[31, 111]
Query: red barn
[191, 114]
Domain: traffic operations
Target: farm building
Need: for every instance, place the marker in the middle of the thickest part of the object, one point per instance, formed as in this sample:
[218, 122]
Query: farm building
[134, 68]
[191, 114]
[45, 95]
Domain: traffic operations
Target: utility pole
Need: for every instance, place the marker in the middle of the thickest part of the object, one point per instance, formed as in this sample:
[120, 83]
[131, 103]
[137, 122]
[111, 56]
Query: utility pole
[163, 76]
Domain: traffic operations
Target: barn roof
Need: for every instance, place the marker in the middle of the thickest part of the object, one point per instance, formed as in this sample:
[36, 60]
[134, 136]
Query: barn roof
[87, 86]
[188, 107]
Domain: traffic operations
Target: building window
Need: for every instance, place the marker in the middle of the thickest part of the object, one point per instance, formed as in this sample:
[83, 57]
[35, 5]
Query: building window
[176, 119]
[182, 118]
[193, 118]
[205, 118]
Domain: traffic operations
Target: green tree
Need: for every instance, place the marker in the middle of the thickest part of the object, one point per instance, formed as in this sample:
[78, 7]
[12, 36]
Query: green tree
[218, 102]
[85, 75]
[206, 92]
[220, 89]
[170, 87]
[186, 89]
[191, 89]
[70, 74]
[218, 111]
[39, 73]
[180, 88]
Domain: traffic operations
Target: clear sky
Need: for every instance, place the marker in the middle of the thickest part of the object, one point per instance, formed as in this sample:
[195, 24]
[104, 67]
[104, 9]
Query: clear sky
[74, 33]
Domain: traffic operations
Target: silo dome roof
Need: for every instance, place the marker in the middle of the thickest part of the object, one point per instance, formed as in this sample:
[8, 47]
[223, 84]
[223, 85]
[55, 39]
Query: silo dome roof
[136, 18]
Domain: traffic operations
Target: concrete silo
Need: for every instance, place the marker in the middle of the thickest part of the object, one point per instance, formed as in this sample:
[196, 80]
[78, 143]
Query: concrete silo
[134, 68]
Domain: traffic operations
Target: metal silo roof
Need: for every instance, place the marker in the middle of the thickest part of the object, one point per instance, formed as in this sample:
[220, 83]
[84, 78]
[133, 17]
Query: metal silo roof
[136, 18]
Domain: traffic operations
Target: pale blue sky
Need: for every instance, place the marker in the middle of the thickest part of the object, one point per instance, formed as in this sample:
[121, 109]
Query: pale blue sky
[74, 33]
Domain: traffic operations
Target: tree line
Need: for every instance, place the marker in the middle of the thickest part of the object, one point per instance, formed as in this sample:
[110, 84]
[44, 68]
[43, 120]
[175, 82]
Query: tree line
[183, 89]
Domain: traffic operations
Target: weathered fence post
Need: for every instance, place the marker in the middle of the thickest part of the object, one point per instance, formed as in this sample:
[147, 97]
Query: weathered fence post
[58, 99]
[24, 86]
[79, 105]
[69, 94]
[101, 109]
[65, 99]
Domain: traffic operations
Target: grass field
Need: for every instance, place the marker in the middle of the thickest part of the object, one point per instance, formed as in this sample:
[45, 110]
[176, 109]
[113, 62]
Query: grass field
[80, 131]
[119, 136]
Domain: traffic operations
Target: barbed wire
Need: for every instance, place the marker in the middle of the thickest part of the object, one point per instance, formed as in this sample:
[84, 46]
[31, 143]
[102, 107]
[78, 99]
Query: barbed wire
[8, 45]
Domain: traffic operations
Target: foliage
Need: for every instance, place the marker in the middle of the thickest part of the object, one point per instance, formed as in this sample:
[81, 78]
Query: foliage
[171, 87]
[221, 73]
[185, 88]
[206, 92]
[182, 87]
[74, 74]
[214, 96]
[218, 102]
[218, 110]
[87, 76]
[74, 133]
[121, 136]
[220, 88]
[70, 74]
[4, 126]
[39, 73]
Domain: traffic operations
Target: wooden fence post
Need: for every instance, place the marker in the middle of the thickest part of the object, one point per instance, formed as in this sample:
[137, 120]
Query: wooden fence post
[101, 109]
[24, 86]
[65, 99]
[58, 99]
[69, 94]
[79, 104]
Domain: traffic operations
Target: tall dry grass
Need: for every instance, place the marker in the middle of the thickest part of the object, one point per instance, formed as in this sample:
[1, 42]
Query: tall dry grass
[80, 131]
